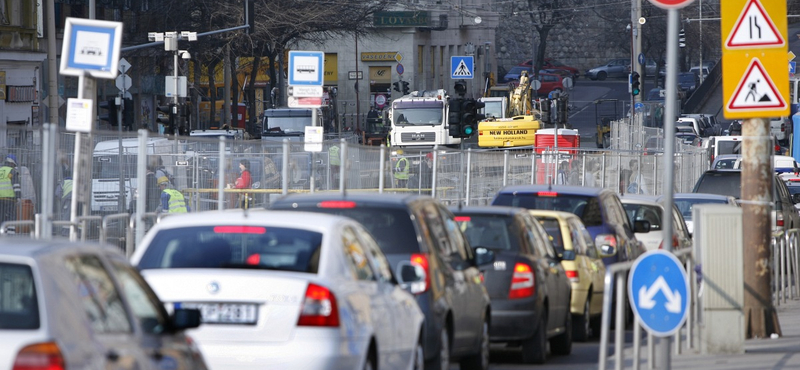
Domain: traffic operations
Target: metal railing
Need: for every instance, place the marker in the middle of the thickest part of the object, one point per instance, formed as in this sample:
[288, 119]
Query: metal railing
[785, 261]
[616, 292]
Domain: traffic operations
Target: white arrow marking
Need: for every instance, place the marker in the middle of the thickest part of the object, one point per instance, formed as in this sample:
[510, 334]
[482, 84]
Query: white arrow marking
[646, 296]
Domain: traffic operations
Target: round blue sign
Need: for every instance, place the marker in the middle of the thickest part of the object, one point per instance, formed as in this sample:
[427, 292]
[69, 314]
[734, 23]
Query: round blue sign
[658, 290]
[641, 58]
[400, 69]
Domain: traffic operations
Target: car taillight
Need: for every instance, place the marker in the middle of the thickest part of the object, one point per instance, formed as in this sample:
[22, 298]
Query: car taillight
[547, 193]
[675, 242]
[421, 260]
[337, 204]
[240, 230]
[779, 220]
[522, 282]
[319, 308]
[572, 275]
[39, 356]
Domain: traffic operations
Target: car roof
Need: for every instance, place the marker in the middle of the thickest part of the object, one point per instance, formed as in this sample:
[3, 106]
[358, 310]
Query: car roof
[697, 196]
[24, 247]
[487, 210]
[564, 189]
[639, 199]
[288, 218]
[359, 197]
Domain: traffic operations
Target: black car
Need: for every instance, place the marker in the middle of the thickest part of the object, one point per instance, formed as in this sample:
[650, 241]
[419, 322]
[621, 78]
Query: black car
[419, 229]
[784, 215]
[529, 289]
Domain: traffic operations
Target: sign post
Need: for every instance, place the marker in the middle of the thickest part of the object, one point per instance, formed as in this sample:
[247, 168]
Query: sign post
[663, 361]
[755, 86]
[90, 50]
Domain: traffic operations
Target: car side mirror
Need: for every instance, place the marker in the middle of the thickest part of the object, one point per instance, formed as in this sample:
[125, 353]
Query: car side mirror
[411, 277]
[796, 198]
[641, 226]
[483, 256]
[567, 255]
[185, 318]
[606, 250]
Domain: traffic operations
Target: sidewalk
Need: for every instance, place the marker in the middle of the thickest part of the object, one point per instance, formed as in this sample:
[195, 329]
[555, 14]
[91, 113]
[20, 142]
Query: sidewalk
[773, 354]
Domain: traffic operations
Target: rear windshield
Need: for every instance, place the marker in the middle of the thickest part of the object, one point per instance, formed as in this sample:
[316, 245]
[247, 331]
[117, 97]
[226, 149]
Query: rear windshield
[644, 212]
[721, 183]
[19, 308]
[729, 147]
[685, 205]
[391, 227]
[553, 228]
[249, 247]
[585, 207]
[490, 231]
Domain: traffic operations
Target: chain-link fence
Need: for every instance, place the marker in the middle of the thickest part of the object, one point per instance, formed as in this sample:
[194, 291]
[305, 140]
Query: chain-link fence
[209, 174]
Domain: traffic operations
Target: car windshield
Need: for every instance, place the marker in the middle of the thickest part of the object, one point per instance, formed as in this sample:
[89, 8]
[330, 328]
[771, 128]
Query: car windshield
[493, 109]
[108, 166]
[518, 70]
[20, 308]
[585, 207]
[729, 147]
[655, 94]
[246, 247]
[644, 212]
[725, 163]
[420, 114]
[391, 227]
[489, 231]
[287, 124]
[685, 205]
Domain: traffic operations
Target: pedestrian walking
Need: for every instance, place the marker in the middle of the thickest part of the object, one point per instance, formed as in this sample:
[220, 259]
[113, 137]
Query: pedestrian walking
[244, 181]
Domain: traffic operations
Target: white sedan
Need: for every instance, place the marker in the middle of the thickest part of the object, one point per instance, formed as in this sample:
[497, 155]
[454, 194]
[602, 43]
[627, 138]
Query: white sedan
[285, 290]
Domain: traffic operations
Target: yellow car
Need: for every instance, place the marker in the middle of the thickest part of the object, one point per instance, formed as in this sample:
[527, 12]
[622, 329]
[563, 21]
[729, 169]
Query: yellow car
[584, 266]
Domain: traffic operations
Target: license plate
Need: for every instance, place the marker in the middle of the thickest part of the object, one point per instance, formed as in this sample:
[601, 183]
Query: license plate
[108, 208]
[225, 313]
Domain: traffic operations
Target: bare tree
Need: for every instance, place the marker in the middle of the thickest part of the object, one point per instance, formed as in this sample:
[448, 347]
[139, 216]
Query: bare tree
[545, 15]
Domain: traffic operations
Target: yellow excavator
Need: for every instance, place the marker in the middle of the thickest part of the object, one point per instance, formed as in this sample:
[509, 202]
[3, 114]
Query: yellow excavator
[519, 123]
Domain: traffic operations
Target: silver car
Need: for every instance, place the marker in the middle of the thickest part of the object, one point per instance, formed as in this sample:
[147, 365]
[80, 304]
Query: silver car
[83, 306]
[285, 290]
[614, 68]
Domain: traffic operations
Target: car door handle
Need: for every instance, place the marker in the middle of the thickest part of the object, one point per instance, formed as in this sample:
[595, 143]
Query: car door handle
[112, 356]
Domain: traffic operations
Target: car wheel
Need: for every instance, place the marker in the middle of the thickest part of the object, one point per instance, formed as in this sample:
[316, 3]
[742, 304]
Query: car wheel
[480, 360]
[602, 76]
[442, 360]
[562, 344]
[534, 349]
[581, 328]
[419, 357]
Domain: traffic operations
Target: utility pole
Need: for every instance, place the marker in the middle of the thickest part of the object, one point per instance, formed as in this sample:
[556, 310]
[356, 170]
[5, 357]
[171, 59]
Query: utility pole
[636, 22]
[170, 40]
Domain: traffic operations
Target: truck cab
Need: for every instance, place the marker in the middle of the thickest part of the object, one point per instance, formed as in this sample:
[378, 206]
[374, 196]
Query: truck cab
[290, 123]
[420, 120]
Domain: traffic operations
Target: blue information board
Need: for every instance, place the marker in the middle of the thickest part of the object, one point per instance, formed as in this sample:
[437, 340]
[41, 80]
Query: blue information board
[91, 47]
[306, 68]
[658, 290]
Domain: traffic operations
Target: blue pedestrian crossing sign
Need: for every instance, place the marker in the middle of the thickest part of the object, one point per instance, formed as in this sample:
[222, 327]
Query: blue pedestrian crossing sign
[462, 67]
[658, 290]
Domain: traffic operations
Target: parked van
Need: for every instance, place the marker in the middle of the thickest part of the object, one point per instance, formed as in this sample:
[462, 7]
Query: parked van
[108, 165]
[280, 123]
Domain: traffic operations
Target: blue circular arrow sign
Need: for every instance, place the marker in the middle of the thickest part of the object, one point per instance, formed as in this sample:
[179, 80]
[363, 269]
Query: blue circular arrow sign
[658, 290]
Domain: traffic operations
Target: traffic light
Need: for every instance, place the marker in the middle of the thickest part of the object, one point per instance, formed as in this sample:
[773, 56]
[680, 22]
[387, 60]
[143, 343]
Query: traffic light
[460, 87]
[561, 111]
[545, 108]
[454, 117]
[470, 117]
[396, 85]
[127, 114]
[635, 84]
[167, 119]
[405, 87]
[682, 39]
[110, 116]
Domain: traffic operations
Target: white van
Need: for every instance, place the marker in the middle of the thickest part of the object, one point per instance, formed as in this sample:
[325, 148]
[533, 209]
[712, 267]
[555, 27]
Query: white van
[108, 164]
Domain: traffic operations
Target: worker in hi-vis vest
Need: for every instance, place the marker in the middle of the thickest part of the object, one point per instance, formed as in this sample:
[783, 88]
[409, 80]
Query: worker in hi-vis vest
[172, 201]
[10, 190]
[401, 169]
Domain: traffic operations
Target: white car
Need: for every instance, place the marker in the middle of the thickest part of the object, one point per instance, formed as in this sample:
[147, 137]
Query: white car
[650, 208]
[285, 290]
[82, 306]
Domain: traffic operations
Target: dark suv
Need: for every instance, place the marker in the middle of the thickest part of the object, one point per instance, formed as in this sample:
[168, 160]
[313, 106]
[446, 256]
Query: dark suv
[529, 289]
[729, 182]
[420, 230]
[600, 210]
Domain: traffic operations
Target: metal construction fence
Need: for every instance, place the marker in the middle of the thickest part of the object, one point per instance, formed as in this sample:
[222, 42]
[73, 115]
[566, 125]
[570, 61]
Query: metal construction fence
[205, 170]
